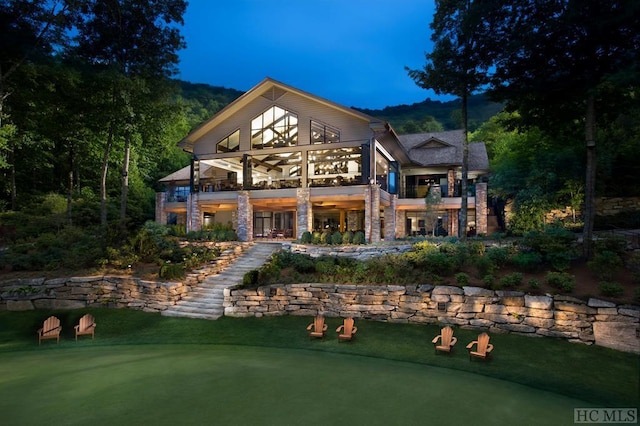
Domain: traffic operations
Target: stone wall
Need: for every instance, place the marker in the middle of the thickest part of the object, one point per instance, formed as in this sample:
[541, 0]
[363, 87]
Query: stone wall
[362, 252]
[109, 291]
[595, 321]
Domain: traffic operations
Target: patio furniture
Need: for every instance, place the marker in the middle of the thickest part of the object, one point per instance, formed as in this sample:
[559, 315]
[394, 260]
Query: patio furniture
[483, 347]
[317, 327]
[50, 330]
[86, 326]
[446, 340]
[347, 330]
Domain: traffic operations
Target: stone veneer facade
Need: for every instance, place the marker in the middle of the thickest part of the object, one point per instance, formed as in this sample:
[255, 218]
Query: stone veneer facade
[596, 321]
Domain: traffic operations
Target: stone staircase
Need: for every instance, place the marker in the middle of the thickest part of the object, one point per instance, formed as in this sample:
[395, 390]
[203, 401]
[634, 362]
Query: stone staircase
[206, 300]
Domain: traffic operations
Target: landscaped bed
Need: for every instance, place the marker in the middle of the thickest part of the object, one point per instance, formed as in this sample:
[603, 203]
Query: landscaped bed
[147, 368]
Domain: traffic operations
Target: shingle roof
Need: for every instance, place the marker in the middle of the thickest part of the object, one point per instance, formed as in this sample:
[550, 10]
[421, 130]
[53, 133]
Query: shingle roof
[444, 149]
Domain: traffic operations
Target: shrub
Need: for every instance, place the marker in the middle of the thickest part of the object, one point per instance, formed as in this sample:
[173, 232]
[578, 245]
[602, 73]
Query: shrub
[512, 280]
[172, 271]
[439, 263]
[534, 284]
[336, 238]
[358, 238]
[527, 261]
[500, 256]
[554, 244]
[250, 279]
[306, 237]
[610, 289]
[484, 265]
[325, 266]
[488, 280]
[613, 243]
[563, 281]
[347, 237]
[462, 279]
[315, 238]
[605, 264]
[325, 237]
[303, 264]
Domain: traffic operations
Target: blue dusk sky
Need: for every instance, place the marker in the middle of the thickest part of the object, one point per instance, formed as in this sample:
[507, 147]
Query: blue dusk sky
[352, 52]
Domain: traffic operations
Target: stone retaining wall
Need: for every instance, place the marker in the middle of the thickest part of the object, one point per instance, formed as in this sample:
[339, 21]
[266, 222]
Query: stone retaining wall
[358, 252]
[109, 291]
[595, 321]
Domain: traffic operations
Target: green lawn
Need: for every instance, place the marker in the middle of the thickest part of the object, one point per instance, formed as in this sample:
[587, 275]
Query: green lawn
[145, 368]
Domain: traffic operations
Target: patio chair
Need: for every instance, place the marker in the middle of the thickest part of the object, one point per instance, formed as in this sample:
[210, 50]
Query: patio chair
[86, 326]
[317, 327]
[446, 340]
[50, 330]
[347, 330]
[483, 347]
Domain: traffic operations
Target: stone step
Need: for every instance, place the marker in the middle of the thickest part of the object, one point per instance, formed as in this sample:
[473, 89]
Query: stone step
[207, 299]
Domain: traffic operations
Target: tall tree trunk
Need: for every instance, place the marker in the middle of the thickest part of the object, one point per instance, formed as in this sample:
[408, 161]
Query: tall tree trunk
[103, 177]
[125, 177]
[462, 229]
[590, 185]
[12, 175]
[70, 186]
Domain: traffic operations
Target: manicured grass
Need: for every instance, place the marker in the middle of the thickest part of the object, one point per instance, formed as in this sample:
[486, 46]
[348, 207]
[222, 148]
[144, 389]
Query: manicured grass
[158, 370]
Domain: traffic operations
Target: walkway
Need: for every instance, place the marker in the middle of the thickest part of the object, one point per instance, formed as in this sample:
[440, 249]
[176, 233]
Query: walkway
[206, 300]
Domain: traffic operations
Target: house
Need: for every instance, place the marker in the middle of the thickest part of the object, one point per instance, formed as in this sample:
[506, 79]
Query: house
[279, 161]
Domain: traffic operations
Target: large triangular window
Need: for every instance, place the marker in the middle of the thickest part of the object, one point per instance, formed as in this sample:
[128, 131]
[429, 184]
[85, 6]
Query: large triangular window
[230, 144]
[274, 128]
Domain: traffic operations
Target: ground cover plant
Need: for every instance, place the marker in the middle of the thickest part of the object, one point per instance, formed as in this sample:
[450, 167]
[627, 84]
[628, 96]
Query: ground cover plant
[163, 370]
[541, 262]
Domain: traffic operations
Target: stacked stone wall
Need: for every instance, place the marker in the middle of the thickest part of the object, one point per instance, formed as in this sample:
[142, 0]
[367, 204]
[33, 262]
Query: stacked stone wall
[362, 252]
[596, 321]
[110, 291]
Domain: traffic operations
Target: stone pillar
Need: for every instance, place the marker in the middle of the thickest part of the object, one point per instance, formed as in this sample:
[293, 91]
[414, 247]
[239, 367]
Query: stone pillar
[401, 224]
[353, 221]
[452, 222]
[245, 217]
[481, 208]
[194, 215]
[390, 219]
[234, 219]
[372, 213]
[161, 215]
[451, 183]
[304, 213]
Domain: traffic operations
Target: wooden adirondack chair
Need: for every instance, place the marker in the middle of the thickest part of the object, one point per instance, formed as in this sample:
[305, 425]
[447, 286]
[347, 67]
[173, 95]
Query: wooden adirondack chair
[86, 326]
[50, 330]
[446, 340]
[347, 330]
[483, 347]
[317, 327]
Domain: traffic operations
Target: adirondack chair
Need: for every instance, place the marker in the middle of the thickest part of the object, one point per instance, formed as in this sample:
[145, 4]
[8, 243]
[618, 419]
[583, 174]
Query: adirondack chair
[347, 330]
[446, 340]
[50, 330]
[483, 347]
[86, 326]
[317, 327]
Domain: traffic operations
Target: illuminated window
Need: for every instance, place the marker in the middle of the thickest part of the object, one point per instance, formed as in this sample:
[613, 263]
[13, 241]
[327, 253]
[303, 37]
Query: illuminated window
[335, 166]
[321, 133]
[274, 128]
[231, 143]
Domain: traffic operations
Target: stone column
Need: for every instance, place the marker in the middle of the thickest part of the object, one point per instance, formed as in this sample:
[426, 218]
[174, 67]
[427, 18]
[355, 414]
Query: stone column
[194, 215]
[304, 213]
[452, 222]
[451, 182]
[390, 219]
[481, 208]
[372, 213]
[245, 217]
[161, 215]
[353, 221]
[401, 224]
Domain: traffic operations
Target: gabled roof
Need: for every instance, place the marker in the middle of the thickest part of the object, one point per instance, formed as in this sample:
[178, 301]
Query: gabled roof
[444, 149]
[270, 89]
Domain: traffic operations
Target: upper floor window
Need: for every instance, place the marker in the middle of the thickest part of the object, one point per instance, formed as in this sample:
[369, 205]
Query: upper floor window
[230, 144]
[321, 133]
[274, 128]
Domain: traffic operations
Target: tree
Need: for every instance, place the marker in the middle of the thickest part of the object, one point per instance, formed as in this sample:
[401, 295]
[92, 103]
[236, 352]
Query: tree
[30, 30]
[455, 67]
[559, 62]
[432, 201]
[132, 45]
